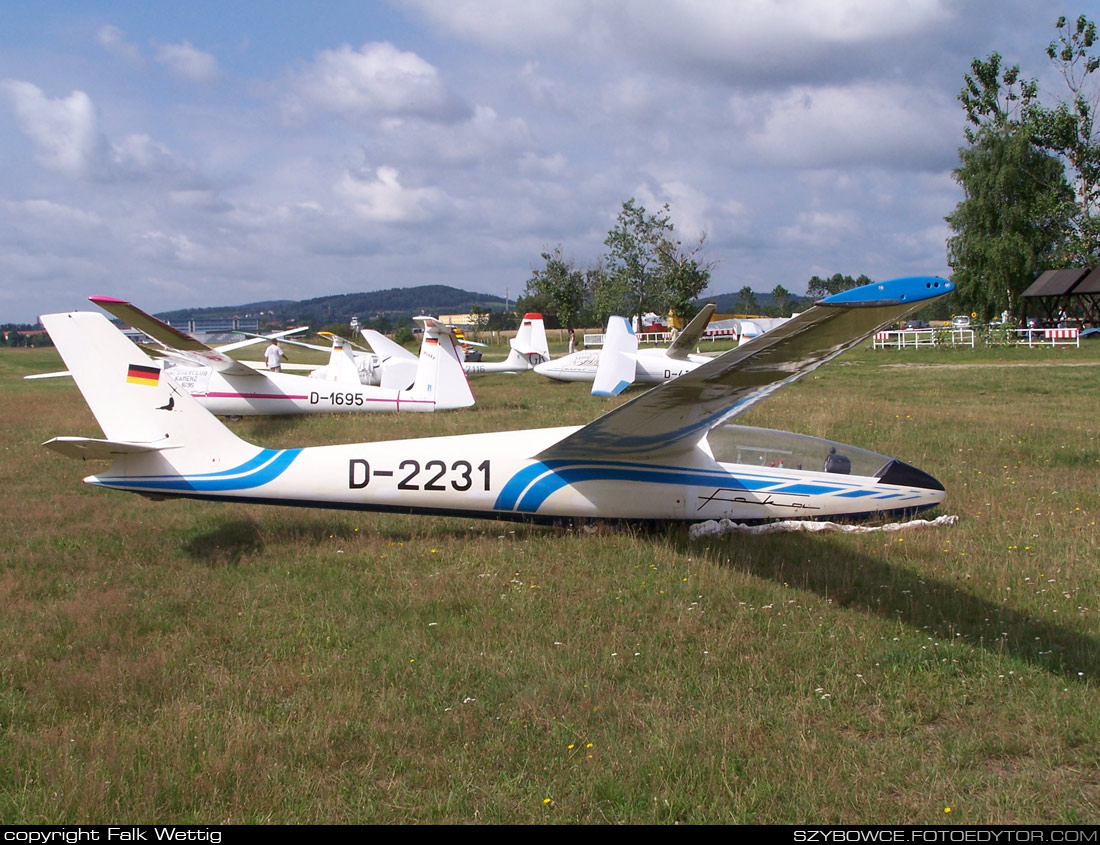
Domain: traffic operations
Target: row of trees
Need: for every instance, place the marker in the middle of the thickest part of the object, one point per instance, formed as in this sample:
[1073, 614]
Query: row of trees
[12, 334]
[645, 269]
[1030, 175]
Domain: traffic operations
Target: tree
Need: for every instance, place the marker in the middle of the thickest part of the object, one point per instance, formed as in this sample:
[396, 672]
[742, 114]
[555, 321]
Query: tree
[1008, 226]
[1031, 174]
[1014, 218]
[684, 277]
[632, 284]
[783, 303]
[746, 302]
[564, 288]
[481, 318]
[1069, 131]
[994, 97]
[818, 288]
[647, 269]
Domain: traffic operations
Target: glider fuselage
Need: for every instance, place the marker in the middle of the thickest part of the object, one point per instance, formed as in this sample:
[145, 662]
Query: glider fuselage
[653, 366]
[285, 393]
[490, 475]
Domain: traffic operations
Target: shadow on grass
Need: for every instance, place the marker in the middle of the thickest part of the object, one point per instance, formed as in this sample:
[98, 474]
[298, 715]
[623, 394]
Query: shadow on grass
[229, 542]
[941, 607]
[226, 544]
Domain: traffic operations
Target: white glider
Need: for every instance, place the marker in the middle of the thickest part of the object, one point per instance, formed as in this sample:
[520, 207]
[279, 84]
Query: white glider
[630, 364]
[389, 364]
[233, 388]
[666, 455]
[528, 349]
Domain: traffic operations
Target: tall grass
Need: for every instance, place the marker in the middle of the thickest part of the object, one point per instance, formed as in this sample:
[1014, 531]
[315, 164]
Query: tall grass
[195, 662]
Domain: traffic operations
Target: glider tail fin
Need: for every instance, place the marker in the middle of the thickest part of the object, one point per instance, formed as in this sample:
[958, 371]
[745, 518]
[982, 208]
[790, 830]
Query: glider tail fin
[341, 366]
[530, 341]
[439, 373]
[136, 405]
[618, 359]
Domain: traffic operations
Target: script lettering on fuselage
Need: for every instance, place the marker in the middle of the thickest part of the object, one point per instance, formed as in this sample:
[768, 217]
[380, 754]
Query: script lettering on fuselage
[726, 496]
[411, 474]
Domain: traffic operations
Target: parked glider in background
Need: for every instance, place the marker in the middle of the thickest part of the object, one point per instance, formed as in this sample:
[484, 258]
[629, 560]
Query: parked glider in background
[389, 364]
[232, 388]
[223, 349]
[634, 365]
[528, 349]
[666, 455]
[350, 363]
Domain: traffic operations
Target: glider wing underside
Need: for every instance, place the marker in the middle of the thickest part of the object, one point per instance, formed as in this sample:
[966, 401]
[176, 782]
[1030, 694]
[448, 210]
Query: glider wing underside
[673, 417]
[187, 347]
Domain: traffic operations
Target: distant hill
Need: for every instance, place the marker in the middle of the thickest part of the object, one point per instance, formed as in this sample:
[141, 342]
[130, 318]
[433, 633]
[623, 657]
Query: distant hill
[390, 307]
[393, 303]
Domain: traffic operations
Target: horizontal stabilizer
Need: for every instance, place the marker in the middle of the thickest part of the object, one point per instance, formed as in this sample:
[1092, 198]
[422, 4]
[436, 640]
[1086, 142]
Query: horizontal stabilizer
[685, 341]
[90, 448]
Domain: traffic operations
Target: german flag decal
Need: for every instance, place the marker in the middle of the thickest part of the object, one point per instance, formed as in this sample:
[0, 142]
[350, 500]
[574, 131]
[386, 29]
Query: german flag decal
[137, 374]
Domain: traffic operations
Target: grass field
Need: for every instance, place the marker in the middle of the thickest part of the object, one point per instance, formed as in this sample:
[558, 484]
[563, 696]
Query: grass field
[204, 663]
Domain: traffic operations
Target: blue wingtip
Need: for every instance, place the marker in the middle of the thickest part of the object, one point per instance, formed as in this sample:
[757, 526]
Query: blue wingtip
[909, 289]
[615, 391]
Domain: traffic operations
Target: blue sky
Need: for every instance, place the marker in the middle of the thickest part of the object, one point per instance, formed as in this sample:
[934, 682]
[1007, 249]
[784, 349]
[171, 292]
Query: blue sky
[217, 154]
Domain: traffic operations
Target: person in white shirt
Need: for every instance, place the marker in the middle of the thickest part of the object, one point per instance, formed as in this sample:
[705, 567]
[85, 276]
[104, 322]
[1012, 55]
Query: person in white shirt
[274, 355]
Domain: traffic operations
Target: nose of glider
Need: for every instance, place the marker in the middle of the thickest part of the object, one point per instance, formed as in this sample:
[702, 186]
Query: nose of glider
[904, 475]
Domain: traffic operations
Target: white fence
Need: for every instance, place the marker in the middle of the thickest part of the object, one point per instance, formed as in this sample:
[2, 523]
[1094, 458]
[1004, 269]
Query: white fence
[917, 338]
[1048, 337]
[664, 338]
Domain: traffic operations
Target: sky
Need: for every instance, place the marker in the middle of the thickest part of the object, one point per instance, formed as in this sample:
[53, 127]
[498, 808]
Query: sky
[202, 153]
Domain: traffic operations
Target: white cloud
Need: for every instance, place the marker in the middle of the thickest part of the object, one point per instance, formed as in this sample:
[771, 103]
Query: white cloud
[485, 138]
[818, 229]
[706, 31]
[188, 63]
[177, 248]
[67, 138]
[138, 157]
[113, 40]
[384, 199]
[375, 80]
[65, 132]
[863, 124]
[511, 25]
[689, 206]
[544, 90]
[55, 215]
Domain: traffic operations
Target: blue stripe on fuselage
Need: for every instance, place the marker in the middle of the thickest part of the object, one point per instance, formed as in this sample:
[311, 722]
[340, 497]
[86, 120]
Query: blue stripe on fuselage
[265, 466]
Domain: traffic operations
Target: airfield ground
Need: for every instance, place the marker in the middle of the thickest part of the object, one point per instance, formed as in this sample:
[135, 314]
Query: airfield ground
[194, 662]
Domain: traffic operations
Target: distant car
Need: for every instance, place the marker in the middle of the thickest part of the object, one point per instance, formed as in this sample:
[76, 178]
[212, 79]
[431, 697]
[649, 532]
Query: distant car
[960, 321]
[917, 324]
